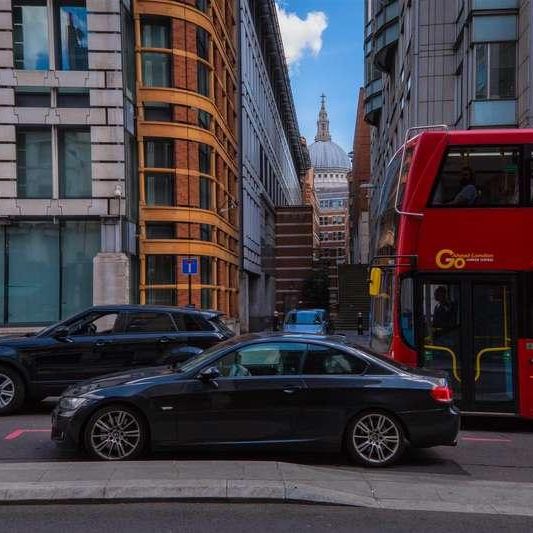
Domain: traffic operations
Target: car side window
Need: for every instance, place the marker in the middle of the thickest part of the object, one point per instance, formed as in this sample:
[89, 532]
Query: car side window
[329, 361]
[193, 323]
[96, 324]
[150, 323]
[268, 359]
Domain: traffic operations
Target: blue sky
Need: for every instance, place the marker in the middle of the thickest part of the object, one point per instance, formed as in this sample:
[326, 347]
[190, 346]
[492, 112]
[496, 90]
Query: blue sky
[325, 58]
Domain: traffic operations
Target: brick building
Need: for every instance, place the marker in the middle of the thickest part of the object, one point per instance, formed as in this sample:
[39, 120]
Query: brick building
[186, 57]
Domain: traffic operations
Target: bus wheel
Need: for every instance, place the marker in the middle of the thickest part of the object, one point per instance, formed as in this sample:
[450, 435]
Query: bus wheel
[375, 439]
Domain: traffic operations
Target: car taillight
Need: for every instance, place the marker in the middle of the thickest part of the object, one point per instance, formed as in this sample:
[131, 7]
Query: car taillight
[442, 394]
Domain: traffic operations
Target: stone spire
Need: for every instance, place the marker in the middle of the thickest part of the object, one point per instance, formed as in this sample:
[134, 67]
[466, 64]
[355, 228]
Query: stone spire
[322, 133]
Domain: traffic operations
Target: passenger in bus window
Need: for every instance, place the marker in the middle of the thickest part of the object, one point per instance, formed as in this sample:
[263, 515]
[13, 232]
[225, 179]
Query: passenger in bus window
[468, 194]
[444, 314]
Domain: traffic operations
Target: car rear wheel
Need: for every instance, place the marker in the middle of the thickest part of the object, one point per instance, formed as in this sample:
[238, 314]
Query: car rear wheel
[375, 438]
[115, 433]
[12, 391]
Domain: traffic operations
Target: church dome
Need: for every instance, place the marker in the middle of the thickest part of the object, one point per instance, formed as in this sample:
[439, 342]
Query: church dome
[327, 155]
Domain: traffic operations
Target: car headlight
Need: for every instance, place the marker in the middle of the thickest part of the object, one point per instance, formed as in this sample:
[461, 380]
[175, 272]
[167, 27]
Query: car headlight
[71, 404]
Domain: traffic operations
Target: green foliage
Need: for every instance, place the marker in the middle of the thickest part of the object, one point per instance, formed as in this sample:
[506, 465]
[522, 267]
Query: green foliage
[315, 292]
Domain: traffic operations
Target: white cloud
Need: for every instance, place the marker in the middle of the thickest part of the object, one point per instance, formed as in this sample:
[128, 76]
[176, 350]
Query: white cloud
[301, 35]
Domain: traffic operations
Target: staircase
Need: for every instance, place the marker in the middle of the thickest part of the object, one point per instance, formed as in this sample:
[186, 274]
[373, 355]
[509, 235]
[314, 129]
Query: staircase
[353, 297]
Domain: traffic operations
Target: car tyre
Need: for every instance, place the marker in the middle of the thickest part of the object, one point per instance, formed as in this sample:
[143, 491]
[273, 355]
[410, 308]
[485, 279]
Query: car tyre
[116, 433]
[12, 391]
[375, 439]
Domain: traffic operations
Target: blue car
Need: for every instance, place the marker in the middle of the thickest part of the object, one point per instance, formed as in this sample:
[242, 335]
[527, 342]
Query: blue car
[307, 321]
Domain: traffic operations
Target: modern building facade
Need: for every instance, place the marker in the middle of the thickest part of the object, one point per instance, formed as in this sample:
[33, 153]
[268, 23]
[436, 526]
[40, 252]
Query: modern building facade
[359, 178]
[331, 165]
[67, 159]
[187, 130]
[273, 160]
[462, 63]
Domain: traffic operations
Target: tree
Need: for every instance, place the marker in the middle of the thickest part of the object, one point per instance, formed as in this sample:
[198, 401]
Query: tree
[315, 291]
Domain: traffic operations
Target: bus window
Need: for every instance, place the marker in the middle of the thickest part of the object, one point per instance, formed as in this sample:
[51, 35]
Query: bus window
[478, 177]
[406, 311]
[381, 335]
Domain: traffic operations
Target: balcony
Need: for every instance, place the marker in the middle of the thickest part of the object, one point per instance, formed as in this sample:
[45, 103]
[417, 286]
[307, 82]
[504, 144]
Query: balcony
[373, 101]
[386, 33]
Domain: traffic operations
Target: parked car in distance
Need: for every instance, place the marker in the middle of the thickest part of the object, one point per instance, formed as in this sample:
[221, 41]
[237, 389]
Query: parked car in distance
[263, 391]
[308, 321]
[98, 341]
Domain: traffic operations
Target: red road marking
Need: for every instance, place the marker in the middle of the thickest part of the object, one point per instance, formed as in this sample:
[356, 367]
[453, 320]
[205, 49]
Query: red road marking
[18, 432]
[485, 439]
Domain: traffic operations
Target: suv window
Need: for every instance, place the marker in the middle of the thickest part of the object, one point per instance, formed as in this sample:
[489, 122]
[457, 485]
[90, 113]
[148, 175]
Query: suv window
[325, 360]
[95, 324]
[192, 322]
[150, 323]
[269, 359]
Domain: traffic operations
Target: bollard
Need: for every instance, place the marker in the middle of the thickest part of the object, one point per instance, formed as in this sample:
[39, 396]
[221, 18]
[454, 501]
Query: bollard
[360, 329]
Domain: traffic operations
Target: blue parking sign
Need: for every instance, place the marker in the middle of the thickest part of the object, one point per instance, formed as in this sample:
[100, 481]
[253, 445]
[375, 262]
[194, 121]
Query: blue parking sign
[189, 266]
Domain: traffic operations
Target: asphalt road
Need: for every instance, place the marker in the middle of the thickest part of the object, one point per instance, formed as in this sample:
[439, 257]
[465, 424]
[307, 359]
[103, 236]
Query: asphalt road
[236, 518]
[490, 449]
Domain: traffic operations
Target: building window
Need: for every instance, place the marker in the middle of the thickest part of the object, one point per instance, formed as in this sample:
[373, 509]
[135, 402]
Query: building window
[204, 158]
[205, 193]
[495, 75]
[206, 270]
[203, 78]
[205, 232]
[159, 153]
[202, 5]
[32, 97]
[30, 35]
[73, 97]
[202, 43]
[157, 111]
[206, 298]
[160, 230]
[159, 186]
[75, 177]
[161, 297]
[34, 164]
[49, 273]
[160, 269]
[156, 66]
[71, 24]
[204, 119]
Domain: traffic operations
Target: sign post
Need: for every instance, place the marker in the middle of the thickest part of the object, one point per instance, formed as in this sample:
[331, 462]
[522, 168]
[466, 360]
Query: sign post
[189, 267]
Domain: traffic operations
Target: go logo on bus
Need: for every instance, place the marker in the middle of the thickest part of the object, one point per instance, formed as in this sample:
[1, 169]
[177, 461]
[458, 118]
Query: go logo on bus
[446, 259]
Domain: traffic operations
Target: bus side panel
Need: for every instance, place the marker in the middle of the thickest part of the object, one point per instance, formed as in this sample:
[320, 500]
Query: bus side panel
[525, 377]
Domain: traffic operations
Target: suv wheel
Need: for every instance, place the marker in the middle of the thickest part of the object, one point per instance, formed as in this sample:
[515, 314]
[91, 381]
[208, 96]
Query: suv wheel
[115, 433]
[375, 438]
[12, 391]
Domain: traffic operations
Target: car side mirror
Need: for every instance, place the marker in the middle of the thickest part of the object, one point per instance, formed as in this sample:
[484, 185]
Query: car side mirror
[61, 334]
[209, 374]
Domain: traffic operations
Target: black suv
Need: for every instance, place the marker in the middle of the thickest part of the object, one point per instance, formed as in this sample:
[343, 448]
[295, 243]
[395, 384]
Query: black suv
[99, 341]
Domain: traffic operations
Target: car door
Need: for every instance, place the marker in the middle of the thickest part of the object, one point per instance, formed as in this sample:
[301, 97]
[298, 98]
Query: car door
[152, 336]
[88, 350]
[257, 398]
[336, 385]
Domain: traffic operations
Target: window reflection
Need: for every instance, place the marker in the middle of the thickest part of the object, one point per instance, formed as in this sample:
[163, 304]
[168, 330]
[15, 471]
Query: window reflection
[30, 36]
[73, 36]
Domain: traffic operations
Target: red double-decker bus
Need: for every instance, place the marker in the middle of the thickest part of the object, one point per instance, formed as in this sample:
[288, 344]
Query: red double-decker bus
[452, 272]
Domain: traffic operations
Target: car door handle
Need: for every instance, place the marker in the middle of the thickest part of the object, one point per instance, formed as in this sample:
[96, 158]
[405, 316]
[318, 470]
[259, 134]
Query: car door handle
[164, 340]
[292, 390]
[99, 344]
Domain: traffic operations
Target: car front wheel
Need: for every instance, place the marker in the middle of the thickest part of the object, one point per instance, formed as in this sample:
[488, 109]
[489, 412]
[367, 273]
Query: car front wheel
[375, 439]
[12, 391]
[115, 433]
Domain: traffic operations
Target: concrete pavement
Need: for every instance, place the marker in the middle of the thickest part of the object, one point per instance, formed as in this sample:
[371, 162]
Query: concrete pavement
[258, 480]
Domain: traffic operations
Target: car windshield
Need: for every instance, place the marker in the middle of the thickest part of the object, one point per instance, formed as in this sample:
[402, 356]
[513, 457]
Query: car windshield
[304, 318]
[198, 360]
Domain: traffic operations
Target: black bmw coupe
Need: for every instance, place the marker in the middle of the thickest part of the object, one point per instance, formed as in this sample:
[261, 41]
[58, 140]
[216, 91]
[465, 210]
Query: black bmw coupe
[261, 391]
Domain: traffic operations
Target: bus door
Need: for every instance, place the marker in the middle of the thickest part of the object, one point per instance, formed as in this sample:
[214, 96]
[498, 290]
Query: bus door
[467, 327]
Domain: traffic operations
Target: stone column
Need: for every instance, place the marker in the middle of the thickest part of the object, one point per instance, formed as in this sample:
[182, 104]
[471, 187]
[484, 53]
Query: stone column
[111, 279]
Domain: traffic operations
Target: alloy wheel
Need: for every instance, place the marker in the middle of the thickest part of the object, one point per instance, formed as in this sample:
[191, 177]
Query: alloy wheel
[7, 390]
[115, 435]
[376, 438]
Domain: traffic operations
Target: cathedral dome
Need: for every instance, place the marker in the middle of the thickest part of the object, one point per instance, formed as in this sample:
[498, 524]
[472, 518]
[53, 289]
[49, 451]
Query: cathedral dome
[326, 155]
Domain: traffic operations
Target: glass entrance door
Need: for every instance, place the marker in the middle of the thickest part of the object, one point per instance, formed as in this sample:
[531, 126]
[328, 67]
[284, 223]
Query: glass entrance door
[467, 328]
